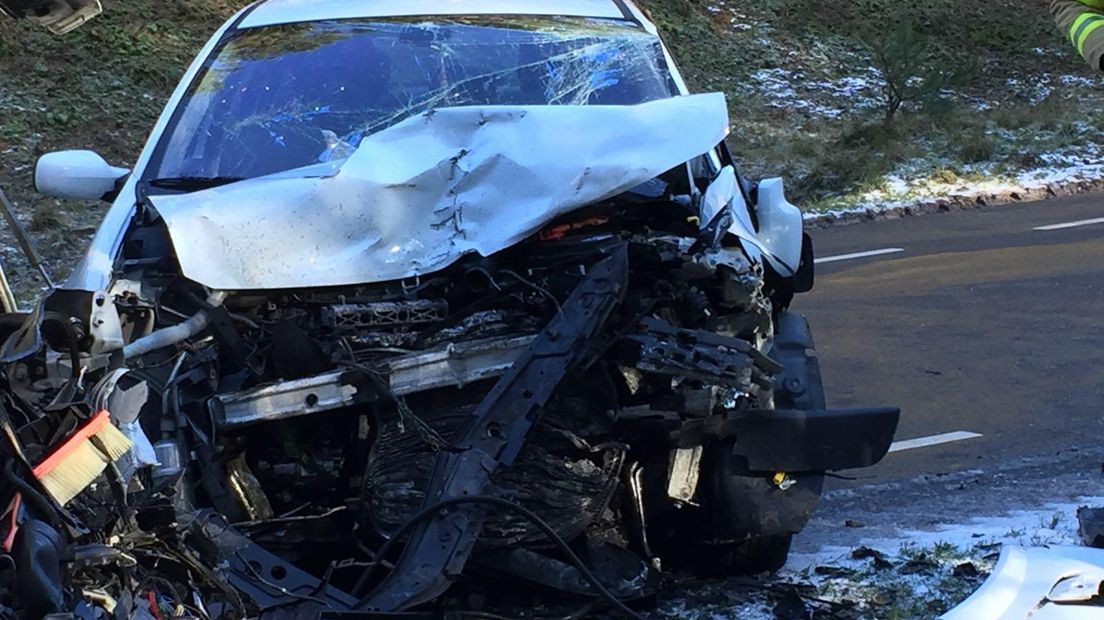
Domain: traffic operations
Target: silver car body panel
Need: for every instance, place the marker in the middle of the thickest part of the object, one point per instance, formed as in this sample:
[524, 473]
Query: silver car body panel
[414, 198]
[1042, 583]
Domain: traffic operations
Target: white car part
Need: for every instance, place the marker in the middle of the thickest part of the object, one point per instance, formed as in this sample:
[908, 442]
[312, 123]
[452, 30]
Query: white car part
[180, 332]
[80, 175]
[1043, 583]
[61, 16]
[417, 196]
[781, 226]
[105, 325]
[125, 407]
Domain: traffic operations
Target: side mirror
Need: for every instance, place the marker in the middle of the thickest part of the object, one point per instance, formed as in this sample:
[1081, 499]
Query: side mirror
[82, 175]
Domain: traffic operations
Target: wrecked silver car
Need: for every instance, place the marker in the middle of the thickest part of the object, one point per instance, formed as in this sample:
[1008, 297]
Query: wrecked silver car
[395, 306]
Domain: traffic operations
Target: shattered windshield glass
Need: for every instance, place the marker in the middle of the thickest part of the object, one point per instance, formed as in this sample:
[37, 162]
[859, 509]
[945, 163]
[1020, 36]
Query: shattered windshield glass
[294, 96]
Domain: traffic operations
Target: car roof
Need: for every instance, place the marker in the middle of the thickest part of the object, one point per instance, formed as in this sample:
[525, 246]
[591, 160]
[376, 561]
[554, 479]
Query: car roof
[274, 12]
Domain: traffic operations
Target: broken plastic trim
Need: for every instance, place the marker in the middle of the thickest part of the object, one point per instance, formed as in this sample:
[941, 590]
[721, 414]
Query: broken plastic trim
[801, 441]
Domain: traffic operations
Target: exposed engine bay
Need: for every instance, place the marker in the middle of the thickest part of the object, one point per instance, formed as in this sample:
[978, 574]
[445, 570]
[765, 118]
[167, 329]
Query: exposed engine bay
[617, 389]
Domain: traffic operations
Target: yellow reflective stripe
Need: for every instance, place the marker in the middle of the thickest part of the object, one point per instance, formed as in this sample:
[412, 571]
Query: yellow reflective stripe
[1096, 4]
[1074, 29]
[1081, 23]
[1089, 29]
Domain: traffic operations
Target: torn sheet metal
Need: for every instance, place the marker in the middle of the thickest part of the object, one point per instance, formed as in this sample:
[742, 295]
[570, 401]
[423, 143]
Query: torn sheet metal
[416, 197]
[1044, 583]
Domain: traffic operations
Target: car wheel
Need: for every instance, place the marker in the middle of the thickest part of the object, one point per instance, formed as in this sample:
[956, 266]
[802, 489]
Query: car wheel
[753, 556]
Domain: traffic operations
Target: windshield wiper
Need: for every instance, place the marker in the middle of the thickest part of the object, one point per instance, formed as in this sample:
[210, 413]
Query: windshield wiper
[192, 184]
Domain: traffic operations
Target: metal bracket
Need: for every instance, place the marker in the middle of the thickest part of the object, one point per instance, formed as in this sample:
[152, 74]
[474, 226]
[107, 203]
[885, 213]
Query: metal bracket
[262, 577]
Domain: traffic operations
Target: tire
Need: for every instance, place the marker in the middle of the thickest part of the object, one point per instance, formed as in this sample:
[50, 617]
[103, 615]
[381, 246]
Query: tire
[767, 554]
[737, 504]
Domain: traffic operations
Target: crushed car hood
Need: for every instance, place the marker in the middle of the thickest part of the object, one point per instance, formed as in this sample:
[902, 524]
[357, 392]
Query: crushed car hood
[417, 196]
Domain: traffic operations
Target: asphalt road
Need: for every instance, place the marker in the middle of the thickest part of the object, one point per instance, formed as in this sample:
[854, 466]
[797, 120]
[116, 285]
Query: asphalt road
[983, 325]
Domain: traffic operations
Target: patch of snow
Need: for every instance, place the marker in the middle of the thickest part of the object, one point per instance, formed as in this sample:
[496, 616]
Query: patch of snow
[1040, 87]
[741, 22]
[1051, 524]
[981, 105]
[794, 90]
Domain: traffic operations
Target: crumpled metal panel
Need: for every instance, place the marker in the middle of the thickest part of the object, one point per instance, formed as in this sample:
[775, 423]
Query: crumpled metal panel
[416, 197]
[1036, 583]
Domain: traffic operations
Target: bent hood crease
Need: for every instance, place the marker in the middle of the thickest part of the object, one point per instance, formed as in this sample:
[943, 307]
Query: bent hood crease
[414, 198]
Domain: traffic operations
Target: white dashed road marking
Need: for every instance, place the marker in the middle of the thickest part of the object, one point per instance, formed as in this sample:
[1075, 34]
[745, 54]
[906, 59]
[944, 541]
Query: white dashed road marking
[1099, 220]
[836, 259]
[934, 440]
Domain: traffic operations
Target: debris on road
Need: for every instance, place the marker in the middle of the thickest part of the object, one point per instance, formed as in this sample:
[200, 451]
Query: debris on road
[1040, 583]
[912, 575]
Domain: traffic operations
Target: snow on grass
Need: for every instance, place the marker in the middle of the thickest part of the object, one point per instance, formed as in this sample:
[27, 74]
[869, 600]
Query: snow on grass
[1070, 165]
[1051, 524]
[826, 98]
[739, 21]
[1039, 87]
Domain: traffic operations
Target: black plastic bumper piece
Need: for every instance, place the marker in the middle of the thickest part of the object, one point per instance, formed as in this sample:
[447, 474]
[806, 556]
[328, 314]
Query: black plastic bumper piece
[793, 441]
[809, 441]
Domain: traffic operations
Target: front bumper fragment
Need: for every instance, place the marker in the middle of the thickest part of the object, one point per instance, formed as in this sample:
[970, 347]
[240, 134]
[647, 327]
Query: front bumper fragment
[801, 441]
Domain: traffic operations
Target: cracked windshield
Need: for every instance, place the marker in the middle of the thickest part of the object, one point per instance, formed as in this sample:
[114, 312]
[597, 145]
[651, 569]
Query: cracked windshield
[286, 97]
